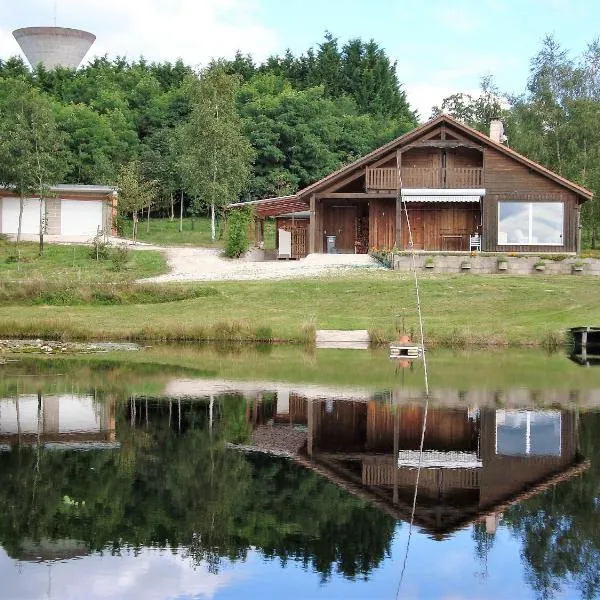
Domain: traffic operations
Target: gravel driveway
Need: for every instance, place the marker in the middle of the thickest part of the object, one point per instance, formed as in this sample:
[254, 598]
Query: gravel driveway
[206, 264]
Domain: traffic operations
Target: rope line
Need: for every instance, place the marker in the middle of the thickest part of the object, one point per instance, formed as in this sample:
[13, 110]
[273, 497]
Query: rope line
[426, 377]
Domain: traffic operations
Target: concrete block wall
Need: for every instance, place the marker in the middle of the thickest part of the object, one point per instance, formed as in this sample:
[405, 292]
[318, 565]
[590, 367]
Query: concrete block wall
[517, 265]
[53, 216]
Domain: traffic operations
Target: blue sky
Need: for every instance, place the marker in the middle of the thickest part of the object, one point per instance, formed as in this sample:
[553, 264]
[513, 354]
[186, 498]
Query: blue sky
[441, 47]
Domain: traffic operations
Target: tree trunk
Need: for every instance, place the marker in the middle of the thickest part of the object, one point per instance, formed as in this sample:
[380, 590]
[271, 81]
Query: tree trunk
[148, 220]
[42, 226]
[181, 213]
[135, 224]
[172, 217]
[213, 233]
[21, 205]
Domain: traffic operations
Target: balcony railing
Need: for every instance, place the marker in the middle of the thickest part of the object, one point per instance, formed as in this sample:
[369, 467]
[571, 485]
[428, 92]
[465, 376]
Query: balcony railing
[386, 179]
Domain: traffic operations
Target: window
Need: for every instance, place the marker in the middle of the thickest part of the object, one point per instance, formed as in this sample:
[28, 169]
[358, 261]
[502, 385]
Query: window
[530, 223]
[523, 433]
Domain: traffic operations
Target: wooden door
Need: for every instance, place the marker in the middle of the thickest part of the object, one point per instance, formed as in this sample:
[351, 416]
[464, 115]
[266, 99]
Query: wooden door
[341, 222]
[416, 218]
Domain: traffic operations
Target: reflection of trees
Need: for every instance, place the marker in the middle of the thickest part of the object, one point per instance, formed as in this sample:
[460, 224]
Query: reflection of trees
[560, 529]
[187, 490]
[484, 542]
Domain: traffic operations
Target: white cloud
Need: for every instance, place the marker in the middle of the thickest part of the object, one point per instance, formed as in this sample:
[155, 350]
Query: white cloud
[193, 30]
[152, 574]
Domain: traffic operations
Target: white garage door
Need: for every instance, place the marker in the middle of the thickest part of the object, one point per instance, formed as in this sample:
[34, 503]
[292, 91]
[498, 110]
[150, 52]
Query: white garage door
[80, 217]
[10, 215]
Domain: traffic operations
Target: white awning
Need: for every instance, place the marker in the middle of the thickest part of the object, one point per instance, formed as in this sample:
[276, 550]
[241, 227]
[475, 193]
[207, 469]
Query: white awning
[442, 195]
[429, 459]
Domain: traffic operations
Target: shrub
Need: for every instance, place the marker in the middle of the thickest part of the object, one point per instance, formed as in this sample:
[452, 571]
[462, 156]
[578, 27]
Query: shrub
[100, 249]
[237, 241]
[120, 257]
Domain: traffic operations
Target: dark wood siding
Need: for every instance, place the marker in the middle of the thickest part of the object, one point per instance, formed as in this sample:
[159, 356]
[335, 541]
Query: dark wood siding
[382, 223]
[507, 180]
[440, 226]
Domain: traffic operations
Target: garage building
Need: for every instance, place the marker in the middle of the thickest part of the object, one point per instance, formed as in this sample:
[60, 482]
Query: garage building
[75, 210]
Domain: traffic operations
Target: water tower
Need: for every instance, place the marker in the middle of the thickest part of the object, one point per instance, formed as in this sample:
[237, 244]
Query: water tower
[54, 46]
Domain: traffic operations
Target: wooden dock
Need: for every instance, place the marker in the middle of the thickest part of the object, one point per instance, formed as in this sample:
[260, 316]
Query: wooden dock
[586, 343]
[354, 339]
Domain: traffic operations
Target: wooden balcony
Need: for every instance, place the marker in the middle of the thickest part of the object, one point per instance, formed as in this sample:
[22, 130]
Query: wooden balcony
[386, 179]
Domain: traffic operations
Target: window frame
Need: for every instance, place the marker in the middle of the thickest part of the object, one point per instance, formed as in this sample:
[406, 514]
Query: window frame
[530, 223]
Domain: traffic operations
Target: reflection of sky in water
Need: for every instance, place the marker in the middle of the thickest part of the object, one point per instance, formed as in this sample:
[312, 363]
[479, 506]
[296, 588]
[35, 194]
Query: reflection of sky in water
[434, 569]
[547, 224]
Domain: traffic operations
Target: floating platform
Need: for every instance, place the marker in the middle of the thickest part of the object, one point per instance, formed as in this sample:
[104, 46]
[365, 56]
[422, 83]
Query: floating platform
[353, 339]
[401, 350]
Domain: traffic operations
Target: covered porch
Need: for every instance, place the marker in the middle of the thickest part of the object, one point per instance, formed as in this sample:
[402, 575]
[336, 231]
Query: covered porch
[438, 220]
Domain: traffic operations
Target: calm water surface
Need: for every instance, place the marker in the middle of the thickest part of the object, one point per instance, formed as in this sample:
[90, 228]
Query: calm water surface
[178, 473]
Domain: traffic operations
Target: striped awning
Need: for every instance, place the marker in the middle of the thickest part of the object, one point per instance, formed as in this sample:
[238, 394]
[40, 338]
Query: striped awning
[430, 198]
[441, 195]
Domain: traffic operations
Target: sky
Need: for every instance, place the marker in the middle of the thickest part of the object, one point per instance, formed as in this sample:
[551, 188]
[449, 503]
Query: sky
[441, 46]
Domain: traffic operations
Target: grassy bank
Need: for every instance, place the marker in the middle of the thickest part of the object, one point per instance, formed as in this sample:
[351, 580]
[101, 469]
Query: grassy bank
[460, 311]
[49, 293]
[67, 264]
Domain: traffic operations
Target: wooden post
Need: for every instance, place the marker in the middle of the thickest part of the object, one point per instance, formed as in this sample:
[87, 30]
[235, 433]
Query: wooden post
[398, 241]
[584, 338]
[312, 232]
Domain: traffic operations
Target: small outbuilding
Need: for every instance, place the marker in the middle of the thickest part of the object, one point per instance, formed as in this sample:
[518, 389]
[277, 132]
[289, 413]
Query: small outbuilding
[73, 210]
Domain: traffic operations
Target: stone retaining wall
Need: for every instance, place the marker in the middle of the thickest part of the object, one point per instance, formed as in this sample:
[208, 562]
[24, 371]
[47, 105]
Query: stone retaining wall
[515, 265]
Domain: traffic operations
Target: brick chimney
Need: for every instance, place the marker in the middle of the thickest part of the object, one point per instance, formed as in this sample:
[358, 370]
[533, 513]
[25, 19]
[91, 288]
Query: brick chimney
[497, 131]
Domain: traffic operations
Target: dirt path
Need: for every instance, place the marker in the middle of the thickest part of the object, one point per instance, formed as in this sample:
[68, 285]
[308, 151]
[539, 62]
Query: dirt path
[206, 264]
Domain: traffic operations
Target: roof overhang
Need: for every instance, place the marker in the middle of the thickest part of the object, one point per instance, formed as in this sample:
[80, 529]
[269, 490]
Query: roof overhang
[274, 207]
[441, 195]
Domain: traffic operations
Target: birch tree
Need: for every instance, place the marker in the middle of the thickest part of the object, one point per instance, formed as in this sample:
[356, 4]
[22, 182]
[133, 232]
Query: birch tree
[215, 157]
[32, 149]
[135, 193]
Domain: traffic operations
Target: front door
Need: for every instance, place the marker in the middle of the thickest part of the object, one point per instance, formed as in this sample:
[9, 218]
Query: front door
[415, 216]
[341, 222]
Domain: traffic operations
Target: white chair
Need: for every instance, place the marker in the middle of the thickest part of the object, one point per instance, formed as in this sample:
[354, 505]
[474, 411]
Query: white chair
[474, 242]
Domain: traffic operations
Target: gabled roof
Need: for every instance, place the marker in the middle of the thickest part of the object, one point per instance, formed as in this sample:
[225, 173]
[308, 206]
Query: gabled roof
[442, 119]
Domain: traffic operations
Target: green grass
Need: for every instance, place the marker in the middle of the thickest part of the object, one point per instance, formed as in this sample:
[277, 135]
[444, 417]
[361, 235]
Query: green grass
[459, 310]
[57, 294]
[67, 264]
[196, 232]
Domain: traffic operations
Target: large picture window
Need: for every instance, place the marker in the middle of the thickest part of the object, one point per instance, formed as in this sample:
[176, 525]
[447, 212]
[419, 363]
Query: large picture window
[530, 223]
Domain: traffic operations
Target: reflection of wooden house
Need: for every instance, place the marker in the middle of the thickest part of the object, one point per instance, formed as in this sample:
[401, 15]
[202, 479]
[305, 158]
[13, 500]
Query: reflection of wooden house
[455, 183]
[475, 463]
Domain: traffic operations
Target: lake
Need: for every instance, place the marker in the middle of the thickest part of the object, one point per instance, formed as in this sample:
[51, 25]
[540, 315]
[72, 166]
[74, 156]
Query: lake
[240, 472]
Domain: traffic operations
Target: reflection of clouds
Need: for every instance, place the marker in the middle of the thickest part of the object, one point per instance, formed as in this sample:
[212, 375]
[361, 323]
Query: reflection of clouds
[151, 575]
[546, 222]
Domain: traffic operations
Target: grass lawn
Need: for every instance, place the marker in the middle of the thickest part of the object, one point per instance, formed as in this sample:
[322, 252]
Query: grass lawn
[196, 232]
[459, 310]
[73, 264]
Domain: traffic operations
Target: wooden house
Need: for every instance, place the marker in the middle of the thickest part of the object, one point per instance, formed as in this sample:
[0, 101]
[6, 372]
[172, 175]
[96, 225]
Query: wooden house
[446, 186]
